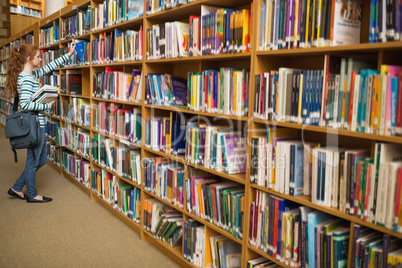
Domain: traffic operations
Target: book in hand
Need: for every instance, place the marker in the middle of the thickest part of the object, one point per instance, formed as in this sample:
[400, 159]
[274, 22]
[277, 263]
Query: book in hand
[45, 95]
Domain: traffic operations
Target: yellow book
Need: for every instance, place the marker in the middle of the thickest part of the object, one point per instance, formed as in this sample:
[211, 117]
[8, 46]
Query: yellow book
[246, 35]
[307, 22]
[318, 19]
[193, 145]
[169, 142]
[383, 100]
[301, 88]
[296, 35]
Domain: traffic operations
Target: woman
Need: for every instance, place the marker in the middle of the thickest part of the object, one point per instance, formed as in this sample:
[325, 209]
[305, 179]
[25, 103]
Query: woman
[22, 80]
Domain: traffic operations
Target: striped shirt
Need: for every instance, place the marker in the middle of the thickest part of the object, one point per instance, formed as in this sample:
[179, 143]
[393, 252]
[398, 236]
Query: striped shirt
[27, 85]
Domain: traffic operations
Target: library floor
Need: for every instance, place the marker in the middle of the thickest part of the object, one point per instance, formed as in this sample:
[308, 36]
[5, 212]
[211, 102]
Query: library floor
[70, 231]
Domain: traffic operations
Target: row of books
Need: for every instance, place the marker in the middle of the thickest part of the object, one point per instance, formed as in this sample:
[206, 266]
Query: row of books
[220, 30]
[385, 21]
[53, 152]
[27, 39]
[167, 40]
[49, 36]
[26, 11]
[77, 167]
[124, 124]
[370, 248]
[51, 80]
[297, 235]
[194, 242]
[77, 111]
[215, 147]
[78, 141]
[166, 90]
[356, 97]
[223, 91]
[82, 53]
[71, 82]
[221, 203]
[303, 23]
[165, 134]
[165, 179]
[224, 252]
[110, 12]
[153, 7]
[76, 25]
[48, 56]
[117, 46]
[289, 95]
[114, 84]
[51, 128]
[123, 197]
[163, 222]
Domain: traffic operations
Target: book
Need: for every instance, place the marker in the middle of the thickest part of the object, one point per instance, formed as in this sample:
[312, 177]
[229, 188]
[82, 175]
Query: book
[45, 94]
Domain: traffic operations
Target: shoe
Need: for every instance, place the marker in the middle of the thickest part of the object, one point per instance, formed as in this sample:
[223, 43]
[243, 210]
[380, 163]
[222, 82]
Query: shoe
[12, 193]
[45, 200]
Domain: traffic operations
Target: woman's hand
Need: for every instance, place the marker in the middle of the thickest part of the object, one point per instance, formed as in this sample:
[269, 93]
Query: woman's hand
[72, 49]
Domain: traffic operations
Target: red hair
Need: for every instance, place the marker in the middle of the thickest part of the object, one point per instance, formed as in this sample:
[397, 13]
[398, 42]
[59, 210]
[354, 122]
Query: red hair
[16, 63]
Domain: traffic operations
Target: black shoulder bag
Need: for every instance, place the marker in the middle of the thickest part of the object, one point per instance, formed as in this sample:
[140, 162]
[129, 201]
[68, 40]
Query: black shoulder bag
[23, 129]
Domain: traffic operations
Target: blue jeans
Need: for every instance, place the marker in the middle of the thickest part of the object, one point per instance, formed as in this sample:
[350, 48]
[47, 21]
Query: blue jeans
[28, 177]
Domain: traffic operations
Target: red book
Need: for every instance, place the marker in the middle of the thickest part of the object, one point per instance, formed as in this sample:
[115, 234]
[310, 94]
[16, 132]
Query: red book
[359, 168]
[275, 242]
[351, 96]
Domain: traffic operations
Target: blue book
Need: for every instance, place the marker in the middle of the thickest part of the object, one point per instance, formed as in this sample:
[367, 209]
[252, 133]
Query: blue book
[340, 238]
[296, 180]
[314, 218]
[262, 26]
[394, 96]
[362, 99]
[185, 240]
[135, 9]
[179, 90]
[178, 137]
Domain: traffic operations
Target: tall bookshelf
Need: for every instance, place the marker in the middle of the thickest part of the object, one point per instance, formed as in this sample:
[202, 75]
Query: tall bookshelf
[257, 62]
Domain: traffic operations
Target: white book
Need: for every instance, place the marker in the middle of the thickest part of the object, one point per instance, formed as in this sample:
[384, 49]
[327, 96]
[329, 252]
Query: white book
[355, 100]
[391, 193]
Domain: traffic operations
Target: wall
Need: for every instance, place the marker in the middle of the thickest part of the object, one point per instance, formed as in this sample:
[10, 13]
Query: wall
[52, 6]
[5, 32]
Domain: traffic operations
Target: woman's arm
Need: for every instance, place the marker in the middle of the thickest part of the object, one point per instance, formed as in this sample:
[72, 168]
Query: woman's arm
[25, 97]
[54, 64]
[50, 66]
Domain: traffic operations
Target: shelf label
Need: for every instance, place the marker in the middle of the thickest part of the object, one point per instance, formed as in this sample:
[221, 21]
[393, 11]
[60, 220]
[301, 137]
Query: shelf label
[48, 20]
[74, 7]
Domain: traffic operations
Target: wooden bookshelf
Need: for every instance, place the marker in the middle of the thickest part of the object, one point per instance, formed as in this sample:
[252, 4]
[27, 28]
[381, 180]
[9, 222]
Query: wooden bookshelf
[257, 62]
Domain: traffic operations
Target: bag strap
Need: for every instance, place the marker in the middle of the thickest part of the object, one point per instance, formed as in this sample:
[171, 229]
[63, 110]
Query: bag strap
[16, 101]
[15, 154]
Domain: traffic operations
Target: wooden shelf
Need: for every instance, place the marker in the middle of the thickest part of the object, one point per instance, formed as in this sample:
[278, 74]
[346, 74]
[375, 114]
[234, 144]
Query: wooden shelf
[181, 110]
[117, 139]
[132, 224]
[131, 24]
[334, 131]
[76, 182]
[118, 101]
[239, 178]
[334, 50]
[262, 253]
[219, 57]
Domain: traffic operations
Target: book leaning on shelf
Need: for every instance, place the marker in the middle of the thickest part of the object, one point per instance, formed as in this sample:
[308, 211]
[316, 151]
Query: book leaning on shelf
[45, 95]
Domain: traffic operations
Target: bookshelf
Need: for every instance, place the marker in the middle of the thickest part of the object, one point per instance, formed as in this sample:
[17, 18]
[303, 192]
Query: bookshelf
[255, 61]
[32, 8]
